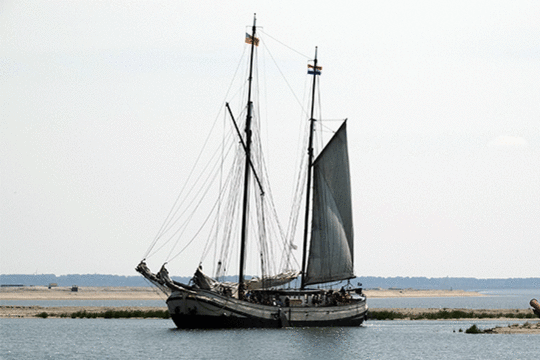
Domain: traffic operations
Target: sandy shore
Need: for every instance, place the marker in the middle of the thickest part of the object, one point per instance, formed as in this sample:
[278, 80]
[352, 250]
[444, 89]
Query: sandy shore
[526, 328]
[83, 293]
[150, 293]
[413, 293]
[16, 311]
[412, 312]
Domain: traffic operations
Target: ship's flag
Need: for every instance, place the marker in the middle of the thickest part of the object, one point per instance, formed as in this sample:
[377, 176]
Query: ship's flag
[314, 70]
[249, 39]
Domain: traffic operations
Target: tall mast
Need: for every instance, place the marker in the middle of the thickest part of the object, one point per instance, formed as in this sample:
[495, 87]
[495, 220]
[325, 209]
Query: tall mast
[310, 165]
[247, 168]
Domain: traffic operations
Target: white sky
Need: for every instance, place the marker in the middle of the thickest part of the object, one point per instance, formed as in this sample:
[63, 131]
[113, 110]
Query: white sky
[103, 105]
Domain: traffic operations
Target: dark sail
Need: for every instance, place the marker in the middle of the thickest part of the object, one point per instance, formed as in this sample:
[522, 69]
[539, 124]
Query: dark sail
[331, 248]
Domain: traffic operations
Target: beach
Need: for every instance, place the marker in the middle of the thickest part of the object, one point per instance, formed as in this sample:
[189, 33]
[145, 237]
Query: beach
[414, 293]
[82, 293]
[527, 328]
[151, 293]
[16, 311]
[19, 311]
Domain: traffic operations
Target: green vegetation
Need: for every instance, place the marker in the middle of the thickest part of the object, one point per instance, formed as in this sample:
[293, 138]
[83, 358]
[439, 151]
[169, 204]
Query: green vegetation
[386, 315]
[473, 330]
[113, 314]
[446, 315]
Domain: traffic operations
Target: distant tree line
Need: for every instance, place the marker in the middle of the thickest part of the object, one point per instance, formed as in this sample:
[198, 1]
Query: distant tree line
[368, 282]
[76, 279]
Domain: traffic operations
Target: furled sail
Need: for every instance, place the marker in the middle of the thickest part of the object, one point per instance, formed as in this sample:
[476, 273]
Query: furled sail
[272, 281]
[331, 248]
[207, 283]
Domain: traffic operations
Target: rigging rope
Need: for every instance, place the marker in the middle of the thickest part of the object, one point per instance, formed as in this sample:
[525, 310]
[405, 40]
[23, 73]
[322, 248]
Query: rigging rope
[227, 206]
[171, 221]
[167, 219]
[284, 78]
[287, 46]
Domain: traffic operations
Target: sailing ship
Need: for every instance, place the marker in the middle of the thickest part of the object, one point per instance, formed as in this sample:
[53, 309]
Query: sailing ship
[327, 255]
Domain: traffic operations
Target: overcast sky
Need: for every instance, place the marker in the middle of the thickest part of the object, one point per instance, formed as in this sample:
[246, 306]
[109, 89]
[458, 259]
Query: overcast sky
[102, 104]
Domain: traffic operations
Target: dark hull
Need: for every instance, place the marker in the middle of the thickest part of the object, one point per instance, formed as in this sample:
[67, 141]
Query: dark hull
[224, 322]
[207, 310]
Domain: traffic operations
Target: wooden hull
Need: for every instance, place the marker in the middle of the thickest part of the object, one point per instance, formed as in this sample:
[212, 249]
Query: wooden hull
[206, 309]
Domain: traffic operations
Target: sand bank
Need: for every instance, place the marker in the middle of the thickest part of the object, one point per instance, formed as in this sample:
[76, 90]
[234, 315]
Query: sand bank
[83, 293]
[151, 293]
[413, 293]
[482, 314]
[526, 328]
[16, 311]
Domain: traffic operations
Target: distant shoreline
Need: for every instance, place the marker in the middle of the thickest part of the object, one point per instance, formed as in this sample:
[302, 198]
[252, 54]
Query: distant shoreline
[151, 293]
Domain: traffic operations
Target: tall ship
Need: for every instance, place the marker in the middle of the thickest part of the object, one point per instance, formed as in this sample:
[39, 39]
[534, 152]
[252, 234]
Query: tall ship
[318, 292]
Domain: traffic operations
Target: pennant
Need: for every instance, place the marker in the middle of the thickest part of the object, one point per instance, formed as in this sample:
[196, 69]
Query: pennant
[249, 39]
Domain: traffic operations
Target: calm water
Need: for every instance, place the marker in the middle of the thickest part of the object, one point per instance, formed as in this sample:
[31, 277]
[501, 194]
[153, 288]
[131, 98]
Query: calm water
[153, 339]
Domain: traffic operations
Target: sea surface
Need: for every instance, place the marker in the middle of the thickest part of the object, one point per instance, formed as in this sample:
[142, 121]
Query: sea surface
[158, 339]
